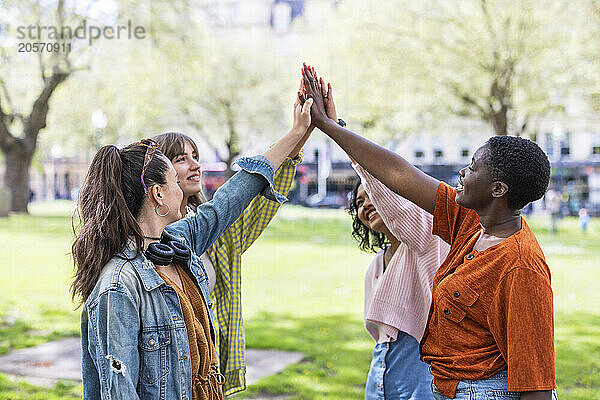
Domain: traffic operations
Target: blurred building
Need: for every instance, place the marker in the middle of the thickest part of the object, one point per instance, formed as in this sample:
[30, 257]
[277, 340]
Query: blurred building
[57, 176]
[234, 14]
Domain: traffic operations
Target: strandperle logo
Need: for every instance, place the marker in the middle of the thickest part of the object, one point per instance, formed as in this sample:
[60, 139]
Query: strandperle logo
[82, 31]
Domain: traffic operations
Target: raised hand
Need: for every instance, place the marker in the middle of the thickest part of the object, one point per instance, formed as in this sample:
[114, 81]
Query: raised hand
[290, 144]
[314, 91]
[329, 103]
[391, 169]
[301, 100]
[302, 115]
[326, 91]
[314, 74]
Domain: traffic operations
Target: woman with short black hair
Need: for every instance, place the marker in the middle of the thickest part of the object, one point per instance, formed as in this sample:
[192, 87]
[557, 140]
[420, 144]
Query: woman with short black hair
[490, 331]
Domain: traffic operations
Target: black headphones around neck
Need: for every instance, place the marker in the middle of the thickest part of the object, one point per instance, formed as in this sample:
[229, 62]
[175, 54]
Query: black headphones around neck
[168, 251]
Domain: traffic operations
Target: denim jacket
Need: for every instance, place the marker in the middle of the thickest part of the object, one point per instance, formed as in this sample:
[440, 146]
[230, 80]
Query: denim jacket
[133, 337]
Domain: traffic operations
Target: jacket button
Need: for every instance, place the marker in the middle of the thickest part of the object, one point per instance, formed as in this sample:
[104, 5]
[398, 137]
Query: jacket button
[446, 311]
[457, 294]
[470, 256]
[151, 342]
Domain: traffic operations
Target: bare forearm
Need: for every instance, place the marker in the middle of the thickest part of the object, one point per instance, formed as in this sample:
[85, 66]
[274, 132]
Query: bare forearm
[301, 143]
[537, 395]
[284, 147]
[388, 167]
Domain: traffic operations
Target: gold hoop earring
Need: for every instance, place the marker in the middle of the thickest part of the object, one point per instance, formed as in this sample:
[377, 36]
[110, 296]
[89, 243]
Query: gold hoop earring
[159, 214]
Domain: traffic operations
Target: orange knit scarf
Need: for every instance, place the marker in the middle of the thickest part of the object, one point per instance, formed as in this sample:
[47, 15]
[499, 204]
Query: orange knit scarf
[206, 378]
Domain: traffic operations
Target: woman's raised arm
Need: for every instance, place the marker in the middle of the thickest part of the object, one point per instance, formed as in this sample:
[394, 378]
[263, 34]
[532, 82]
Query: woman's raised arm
[214, 217]
[288, 144]
[388, 167]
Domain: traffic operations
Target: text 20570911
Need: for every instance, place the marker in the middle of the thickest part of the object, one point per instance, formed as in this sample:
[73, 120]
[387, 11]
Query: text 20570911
[40, 47]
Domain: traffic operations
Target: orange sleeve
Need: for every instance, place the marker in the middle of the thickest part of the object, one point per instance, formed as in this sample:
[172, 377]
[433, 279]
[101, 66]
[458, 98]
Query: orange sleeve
[521, 318]
[448, 217]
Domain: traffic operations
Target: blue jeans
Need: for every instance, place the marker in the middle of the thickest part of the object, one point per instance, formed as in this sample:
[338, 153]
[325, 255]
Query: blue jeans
[492, 388]
[397, 372]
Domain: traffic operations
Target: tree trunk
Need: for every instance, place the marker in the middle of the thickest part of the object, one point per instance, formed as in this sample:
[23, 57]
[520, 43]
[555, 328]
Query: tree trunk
[232, 142]
[499, 122]
[231, 155]
[19, 150]
[17, 162]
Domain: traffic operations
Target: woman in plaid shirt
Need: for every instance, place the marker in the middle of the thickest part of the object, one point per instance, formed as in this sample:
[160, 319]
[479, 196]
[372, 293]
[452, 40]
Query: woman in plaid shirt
[223, 260]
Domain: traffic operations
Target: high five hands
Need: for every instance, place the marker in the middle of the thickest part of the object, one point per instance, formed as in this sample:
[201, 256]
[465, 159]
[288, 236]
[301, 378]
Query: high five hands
[313, 87]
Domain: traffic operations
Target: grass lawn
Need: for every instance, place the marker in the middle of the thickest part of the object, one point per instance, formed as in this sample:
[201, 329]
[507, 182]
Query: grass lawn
[303, 291]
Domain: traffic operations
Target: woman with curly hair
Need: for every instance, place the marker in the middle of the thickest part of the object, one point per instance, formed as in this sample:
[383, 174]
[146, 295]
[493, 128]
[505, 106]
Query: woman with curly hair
[397, 286]
[397, 282]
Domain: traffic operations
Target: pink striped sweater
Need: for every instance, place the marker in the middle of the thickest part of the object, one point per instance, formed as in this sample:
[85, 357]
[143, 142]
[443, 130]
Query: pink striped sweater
[399, 299]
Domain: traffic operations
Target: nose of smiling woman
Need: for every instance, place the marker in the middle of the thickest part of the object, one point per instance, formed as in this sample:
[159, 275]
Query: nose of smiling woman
[194, 164]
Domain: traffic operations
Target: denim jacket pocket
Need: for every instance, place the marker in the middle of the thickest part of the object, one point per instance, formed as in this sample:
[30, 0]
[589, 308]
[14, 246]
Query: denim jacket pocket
[154, 353]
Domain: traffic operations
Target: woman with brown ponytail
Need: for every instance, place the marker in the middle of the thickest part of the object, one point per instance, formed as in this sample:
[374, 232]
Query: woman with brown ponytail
[146, 326]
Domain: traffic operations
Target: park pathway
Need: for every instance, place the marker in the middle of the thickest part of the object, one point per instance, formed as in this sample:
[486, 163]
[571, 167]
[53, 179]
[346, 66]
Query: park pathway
[47, 363]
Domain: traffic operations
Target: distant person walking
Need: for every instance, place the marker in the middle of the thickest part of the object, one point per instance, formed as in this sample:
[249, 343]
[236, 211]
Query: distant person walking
[584, 219]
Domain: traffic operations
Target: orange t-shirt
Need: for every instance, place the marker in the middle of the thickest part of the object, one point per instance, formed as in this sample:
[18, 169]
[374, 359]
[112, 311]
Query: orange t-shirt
[491, 310]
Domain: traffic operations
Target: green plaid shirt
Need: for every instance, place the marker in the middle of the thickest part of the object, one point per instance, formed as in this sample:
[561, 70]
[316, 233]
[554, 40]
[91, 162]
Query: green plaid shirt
[226, 255]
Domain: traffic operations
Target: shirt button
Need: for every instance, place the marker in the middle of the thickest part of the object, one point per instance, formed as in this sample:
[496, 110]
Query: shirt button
[446, 311]
[457, 294]
[151, 342]
[470, 256]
